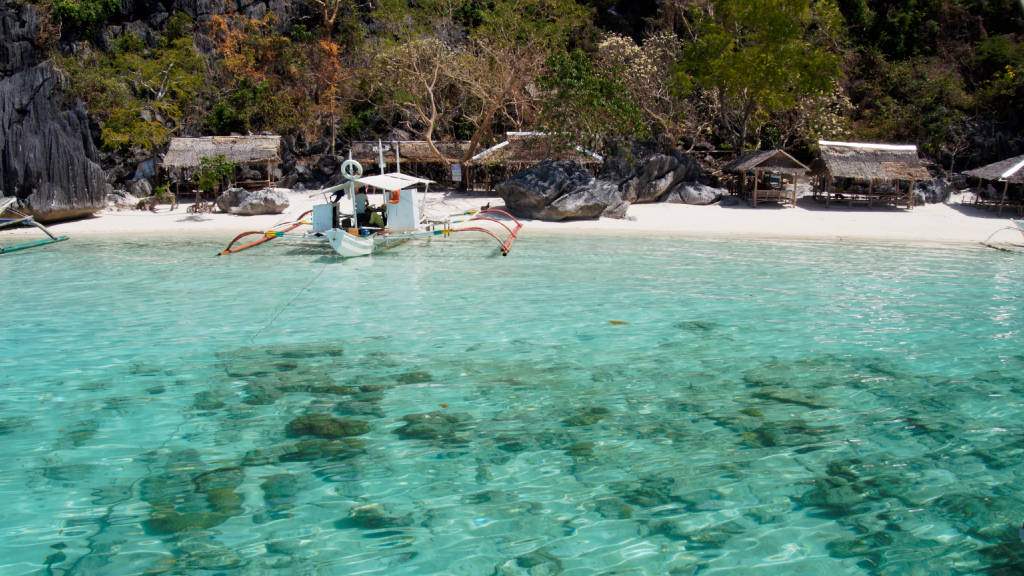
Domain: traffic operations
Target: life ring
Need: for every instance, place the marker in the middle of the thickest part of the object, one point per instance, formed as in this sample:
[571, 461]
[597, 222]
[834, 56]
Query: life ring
[394, 196]
[351, 169]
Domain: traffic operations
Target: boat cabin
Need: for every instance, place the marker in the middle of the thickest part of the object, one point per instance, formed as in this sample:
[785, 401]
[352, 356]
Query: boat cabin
[379, 202]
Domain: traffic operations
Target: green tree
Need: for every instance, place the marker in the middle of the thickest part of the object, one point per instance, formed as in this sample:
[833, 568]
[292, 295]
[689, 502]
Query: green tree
[762, 56]
[587, 107]
[82, 14]
[213, 172]
[138, 94]
[999, 62]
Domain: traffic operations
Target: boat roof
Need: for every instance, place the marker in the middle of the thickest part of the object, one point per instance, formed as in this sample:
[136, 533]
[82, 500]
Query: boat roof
[392, 181]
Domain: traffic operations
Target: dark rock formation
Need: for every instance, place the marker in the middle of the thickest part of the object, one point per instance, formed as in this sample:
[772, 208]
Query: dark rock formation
[644, 175]
[932, 191]
[46, 150]
[561, 191]
[693, 193]
[249, 203]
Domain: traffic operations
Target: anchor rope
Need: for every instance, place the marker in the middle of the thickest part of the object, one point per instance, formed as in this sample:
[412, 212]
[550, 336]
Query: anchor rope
[252, 340]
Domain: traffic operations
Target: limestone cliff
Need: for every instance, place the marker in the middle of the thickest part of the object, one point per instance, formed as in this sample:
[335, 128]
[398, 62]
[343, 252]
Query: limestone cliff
[46, 150]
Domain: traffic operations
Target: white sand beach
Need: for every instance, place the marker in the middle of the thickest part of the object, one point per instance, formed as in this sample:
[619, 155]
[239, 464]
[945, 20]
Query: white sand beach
[951, 223]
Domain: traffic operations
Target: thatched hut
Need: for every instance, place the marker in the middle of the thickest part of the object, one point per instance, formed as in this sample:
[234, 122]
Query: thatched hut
[871, 173]
[765, 176]
[521, 150]
[416, 155]
[260, 152]
[1009, 171]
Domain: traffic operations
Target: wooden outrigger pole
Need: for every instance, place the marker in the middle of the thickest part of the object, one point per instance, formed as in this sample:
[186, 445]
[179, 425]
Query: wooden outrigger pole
[24, 219]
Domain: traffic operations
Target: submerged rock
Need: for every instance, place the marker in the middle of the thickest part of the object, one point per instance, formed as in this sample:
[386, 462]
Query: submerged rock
[326, 426]
[372, 517]
[429, 426]
[587, 416]
[613, 508]
[208, 400]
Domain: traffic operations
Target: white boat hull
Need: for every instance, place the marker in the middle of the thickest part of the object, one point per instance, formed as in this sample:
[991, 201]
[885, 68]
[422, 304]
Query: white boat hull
[349, 245]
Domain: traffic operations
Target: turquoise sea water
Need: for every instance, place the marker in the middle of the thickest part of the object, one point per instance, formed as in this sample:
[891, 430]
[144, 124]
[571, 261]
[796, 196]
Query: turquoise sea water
[755, 408]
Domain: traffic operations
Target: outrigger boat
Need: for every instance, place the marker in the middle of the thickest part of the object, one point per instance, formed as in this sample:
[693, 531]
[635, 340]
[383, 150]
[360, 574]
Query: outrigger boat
[24, 220]
[1018, 226]
[367, 229]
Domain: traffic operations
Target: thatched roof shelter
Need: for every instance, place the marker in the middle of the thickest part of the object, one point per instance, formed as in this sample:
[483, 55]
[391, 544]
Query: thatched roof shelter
[763, 162]
[414, 151]
[859, 172]
[878, 162]
[768, 161]
[241, 150]
[529, 148]
[1009, 170]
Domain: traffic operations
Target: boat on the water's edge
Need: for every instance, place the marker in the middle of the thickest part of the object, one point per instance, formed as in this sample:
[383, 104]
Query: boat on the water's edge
[22, 219]
[1018, 226]
[367, 229]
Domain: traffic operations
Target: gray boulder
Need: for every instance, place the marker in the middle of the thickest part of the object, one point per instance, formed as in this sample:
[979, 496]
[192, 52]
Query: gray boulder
[558, 191]
[645, 175]
[932, 191]
[140, 188]
[230, 198]
[121, 200]
[47, 156]
[693, 193]
[250, 203]
[662, 173]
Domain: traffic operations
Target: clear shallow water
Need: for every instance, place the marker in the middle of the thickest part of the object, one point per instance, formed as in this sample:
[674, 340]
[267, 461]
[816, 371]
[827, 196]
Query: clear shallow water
[757, 408]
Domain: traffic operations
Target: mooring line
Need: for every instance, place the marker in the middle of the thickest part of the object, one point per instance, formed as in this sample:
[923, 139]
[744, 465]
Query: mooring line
[252, 340]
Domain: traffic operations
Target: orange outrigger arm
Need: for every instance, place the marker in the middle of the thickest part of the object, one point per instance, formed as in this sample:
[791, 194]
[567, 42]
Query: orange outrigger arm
[506, 244]
[265, 236]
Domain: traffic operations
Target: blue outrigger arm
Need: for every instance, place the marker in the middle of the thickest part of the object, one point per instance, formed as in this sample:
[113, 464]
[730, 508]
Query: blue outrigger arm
[5, 205]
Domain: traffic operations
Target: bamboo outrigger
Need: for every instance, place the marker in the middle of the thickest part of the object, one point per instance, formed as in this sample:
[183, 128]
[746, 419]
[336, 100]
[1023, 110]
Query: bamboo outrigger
[23, 219]
[1018, 226]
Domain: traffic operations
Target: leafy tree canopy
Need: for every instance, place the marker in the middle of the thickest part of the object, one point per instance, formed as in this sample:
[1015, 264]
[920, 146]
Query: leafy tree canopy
[761, 56]
[139, 94]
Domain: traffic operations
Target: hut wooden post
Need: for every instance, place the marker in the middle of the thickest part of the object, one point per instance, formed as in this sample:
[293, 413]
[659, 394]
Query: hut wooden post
[756, 178]
[871, 190]
[910, 193]
[1002, 200]
[796, 179]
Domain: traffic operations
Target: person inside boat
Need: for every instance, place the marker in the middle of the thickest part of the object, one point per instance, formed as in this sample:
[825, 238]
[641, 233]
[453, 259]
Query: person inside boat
[367, 215]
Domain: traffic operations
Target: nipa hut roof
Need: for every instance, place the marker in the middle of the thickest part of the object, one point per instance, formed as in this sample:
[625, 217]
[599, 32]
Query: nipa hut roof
[1009, 170]
[768, 160]
[531, 148]
[187, 152]
[871, 161]
[418, 151]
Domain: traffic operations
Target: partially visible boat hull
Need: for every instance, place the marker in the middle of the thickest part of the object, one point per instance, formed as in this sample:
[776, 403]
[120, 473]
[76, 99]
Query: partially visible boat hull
[349, 245]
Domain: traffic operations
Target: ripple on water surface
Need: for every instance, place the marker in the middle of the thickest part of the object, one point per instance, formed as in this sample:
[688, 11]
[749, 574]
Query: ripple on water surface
[584, 406]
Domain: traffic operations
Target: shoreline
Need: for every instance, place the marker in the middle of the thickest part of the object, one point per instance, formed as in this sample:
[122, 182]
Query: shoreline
[949, 223]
